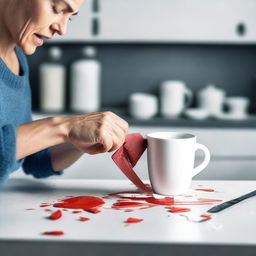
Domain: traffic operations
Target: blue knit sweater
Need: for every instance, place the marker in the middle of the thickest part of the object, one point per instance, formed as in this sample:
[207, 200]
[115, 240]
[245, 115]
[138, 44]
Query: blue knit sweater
[15, 109]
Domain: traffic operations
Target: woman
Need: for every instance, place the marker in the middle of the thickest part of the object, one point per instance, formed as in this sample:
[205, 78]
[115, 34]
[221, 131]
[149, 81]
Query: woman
[47, 146]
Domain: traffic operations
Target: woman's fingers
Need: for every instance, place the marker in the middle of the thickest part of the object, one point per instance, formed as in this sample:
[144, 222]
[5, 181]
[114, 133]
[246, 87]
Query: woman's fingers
[98, 132]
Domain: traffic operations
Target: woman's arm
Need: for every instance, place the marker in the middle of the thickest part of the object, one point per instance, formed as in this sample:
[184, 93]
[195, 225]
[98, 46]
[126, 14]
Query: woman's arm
[72, 136]
[64, 155]
[38, 135]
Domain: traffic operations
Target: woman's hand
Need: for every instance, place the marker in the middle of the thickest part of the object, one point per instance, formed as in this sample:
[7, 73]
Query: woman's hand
[97, 132]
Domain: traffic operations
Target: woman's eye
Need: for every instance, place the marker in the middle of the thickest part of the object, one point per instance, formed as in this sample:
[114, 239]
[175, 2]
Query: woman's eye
[55, 10]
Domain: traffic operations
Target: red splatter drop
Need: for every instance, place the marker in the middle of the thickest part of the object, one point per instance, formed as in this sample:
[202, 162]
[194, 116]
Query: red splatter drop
[128, 210]
[162, 201]
[94, 210]
[56, 215]
[206, 216]
[83, 219]
[48, 210]
[205, 189]
[133, 220]
[53, 233]
[45, 205]
[178, 209]
[127, 204]
[75, 212]
[87, 203]
[106, 197]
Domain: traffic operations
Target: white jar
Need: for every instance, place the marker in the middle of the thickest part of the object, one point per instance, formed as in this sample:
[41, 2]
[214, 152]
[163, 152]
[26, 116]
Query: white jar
[52, 76]
[86, 83]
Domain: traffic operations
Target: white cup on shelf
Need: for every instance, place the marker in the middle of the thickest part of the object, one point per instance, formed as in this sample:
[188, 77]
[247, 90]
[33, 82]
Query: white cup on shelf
[175, 98]
[238, 106]
[143, 105]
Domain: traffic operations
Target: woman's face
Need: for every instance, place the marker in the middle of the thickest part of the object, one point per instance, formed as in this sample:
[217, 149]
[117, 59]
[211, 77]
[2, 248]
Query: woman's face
[37, 20]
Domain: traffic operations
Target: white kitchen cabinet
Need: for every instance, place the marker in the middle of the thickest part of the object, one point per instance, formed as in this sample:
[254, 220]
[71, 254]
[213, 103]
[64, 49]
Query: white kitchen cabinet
[178, 20]
[168, 21]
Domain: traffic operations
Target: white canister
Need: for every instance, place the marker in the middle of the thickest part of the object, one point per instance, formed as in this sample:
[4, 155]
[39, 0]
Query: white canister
[143, 105]
[52, 84]
[175, 98]
[86, 83]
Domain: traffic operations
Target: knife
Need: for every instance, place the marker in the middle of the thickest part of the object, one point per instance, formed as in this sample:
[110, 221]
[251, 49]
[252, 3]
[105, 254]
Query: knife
[227, 204]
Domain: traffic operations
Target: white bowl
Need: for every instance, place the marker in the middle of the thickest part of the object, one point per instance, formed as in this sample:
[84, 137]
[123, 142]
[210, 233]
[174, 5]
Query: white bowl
[143, 105]
[196, 113]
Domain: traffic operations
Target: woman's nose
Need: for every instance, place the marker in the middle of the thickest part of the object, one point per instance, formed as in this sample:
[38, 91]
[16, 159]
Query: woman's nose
[60, 27]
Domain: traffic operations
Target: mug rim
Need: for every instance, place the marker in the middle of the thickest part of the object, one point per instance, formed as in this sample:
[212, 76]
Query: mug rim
[184, 135]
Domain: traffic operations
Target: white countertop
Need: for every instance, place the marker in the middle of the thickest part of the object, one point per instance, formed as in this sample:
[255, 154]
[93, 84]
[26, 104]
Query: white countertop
[233, 226]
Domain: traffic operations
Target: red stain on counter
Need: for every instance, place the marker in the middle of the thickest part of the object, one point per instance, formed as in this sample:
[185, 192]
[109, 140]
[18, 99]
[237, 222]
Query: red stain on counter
[106, 197]
[152, 201]
[132, 195]
[83, 219]
[126, 204]
[45, 205]
[162, 201]
[56, 215]
[87, 203]
[205, 189]
[206, 216]
[75, 212]
[128, 210]
[53, 233]
[178, 209]
[133, 220]
[94, 210]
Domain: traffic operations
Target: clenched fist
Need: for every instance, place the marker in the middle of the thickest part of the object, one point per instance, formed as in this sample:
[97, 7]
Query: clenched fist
[97, 132]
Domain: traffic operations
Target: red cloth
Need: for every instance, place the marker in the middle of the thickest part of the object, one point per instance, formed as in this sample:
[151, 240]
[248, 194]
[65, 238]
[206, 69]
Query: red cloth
[128, 155]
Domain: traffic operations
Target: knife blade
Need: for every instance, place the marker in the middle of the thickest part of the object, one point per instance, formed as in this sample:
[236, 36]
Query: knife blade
[229, 203]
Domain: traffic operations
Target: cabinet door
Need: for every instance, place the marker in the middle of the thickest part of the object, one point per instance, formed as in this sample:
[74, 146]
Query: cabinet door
[79, 28]
[178, 20]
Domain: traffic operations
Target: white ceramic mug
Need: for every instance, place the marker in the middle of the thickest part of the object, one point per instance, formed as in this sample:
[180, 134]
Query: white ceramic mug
[175, 98]
[171, 157]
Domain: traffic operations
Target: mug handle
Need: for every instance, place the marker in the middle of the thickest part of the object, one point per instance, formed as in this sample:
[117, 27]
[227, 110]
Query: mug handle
[206, 161]
[189, 95]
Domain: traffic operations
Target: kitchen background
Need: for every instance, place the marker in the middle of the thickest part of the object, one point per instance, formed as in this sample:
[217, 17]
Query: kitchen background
[138, 67]
[139, 44]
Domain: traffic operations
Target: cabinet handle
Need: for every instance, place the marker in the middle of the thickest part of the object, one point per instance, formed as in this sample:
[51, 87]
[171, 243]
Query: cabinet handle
[96, 6]
[95, 26]
[241, 29]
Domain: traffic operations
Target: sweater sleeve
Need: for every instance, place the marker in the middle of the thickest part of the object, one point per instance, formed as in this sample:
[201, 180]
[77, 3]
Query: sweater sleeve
[39, 164]
[8, 162]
